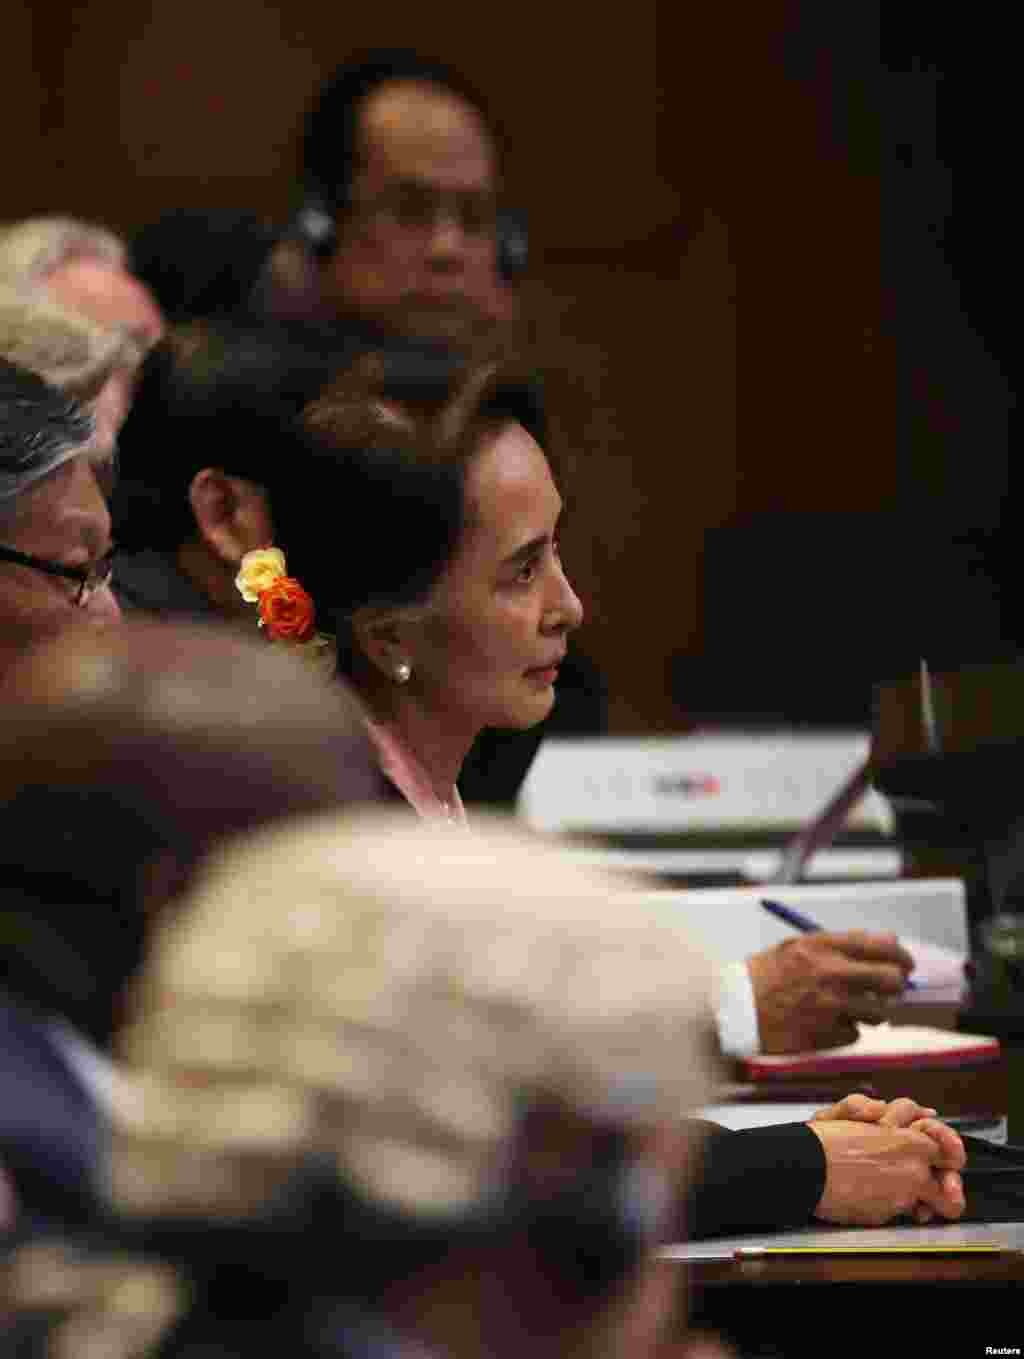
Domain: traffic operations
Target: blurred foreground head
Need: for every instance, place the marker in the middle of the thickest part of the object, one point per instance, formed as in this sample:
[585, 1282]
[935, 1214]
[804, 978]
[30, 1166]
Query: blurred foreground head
[478, 1055]
[388, 1085]
[125, 754]
[421, 984]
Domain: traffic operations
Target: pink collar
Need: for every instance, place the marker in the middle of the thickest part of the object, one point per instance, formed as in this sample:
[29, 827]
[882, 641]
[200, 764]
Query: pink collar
[405, 771]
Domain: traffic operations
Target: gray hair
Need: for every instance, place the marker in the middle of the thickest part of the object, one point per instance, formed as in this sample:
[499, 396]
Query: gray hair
[40, 429]
[34, 248]
[65, 348]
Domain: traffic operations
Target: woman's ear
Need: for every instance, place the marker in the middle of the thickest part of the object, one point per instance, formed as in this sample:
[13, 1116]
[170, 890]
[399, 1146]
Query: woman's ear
[383, 637]
[232, 514]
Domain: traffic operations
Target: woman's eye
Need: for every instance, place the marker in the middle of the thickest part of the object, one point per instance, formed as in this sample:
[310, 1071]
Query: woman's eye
[526, 573]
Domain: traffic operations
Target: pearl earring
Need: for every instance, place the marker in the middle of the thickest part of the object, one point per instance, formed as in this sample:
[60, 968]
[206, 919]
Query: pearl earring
[402, 672]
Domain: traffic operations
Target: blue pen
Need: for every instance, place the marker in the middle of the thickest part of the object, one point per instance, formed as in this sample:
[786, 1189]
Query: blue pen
[804, 924]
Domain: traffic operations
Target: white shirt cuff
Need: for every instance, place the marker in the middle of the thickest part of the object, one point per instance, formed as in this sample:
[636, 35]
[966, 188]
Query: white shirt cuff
[736, 1012]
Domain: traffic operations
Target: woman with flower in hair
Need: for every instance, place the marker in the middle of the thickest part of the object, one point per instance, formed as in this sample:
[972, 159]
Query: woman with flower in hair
[444, 588]
[212, 467]
[367, 526]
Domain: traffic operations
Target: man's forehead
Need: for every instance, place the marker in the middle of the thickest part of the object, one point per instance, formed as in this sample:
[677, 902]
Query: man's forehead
[424, 131]
[63, 511]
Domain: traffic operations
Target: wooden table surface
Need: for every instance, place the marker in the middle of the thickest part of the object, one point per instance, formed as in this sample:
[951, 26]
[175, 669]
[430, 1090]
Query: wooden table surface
[829, 1269]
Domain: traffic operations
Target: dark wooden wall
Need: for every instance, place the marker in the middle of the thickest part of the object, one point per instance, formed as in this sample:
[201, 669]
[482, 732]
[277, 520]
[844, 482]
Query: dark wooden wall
[706, 248]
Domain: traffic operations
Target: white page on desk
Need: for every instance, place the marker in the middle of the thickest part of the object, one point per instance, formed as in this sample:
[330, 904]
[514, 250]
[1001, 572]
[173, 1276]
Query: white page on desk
[1009, 1235]
[702, 782]
[738, 1117]
[938, 968]
[731, 923]
[755, 864]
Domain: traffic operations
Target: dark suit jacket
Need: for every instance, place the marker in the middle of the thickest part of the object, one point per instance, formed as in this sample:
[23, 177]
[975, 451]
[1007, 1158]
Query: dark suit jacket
[755, 1181]
[50, 1131]
[150, 582]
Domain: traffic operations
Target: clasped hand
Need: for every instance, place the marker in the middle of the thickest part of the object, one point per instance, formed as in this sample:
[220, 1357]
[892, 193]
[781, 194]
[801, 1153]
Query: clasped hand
[885, 1160]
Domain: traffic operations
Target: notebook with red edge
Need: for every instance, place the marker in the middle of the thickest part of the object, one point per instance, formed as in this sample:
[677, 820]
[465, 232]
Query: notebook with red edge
[880, 1046]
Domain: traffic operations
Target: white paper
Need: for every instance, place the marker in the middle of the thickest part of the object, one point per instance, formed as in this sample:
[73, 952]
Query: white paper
[938, 968]
[739, 1117]
[759, 865]
[928, 914]
[706, 781]
[1009, 1235]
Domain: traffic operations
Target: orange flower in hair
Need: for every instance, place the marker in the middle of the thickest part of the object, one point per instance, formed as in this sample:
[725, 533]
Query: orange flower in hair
[287, 611]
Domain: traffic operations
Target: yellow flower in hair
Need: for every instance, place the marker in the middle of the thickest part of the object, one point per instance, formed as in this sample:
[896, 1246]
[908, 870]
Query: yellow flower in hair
[258, 572]
[287, 613]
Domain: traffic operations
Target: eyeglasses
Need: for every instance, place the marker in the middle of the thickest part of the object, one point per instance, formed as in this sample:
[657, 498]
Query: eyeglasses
[419, 207]
[89, 578]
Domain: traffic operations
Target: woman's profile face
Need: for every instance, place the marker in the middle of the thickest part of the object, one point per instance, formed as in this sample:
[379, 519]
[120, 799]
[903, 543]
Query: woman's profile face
[489, 649]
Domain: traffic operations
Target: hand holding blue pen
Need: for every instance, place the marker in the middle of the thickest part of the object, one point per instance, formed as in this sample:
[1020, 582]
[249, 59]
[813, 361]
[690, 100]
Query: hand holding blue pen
[803, 923]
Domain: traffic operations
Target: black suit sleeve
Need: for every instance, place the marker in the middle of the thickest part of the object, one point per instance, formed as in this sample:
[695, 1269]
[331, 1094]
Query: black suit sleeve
[761, 1179]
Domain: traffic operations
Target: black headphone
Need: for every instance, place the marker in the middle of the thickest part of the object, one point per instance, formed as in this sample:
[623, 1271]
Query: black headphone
[314, 225]
[513, 245]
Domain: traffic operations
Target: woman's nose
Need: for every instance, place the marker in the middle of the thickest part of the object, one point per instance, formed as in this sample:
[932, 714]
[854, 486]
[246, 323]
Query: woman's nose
[567, 611]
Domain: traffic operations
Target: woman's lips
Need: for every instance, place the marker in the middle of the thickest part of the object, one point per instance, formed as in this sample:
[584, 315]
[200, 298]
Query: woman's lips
[546, 674]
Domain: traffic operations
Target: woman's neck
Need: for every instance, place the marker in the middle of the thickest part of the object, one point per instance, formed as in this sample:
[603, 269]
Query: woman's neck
[438, 744]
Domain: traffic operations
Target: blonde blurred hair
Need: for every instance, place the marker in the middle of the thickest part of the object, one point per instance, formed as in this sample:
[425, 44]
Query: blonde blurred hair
[67, 350]
[383, 991]
[35, 247]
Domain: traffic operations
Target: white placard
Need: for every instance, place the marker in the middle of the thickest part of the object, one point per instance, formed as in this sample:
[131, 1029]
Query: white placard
[708, 781]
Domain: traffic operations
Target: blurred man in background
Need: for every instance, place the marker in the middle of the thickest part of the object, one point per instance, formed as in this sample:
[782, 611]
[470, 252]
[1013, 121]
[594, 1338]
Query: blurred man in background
[79, 303]
[402, 179]
[400, 233]
[97, 365]
[82, 267]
